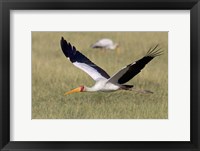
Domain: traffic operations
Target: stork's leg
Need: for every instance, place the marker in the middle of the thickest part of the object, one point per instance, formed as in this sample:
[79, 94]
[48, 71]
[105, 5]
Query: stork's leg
[141, 90]
[126, 87]
[118, 51]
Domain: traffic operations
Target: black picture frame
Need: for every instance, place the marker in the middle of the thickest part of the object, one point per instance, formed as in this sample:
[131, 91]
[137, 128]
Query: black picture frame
[7, 5]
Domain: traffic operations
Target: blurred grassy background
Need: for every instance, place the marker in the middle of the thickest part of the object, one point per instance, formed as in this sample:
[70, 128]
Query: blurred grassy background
[53, 75]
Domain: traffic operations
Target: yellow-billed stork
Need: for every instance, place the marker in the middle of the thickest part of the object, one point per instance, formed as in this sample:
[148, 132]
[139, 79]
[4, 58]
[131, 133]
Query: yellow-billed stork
[103, 81]
[105, 44]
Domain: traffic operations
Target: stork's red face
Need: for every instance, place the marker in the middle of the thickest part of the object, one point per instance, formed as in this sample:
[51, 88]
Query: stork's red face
[79, 89]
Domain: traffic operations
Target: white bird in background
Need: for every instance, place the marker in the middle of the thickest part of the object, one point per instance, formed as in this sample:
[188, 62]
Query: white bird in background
[103, 81]
[105, 44]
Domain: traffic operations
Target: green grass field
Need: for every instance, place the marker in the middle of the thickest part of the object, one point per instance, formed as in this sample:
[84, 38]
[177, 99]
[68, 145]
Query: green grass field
[53, 75]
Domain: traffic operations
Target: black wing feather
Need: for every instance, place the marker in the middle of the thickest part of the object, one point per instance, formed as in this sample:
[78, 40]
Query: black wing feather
[75, 56]
[136, 67]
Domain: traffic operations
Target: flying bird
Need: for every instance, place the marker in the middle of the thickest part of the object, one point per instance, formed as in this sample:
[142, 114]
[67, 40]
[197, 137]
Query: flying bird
[103, 81]
[105, 44]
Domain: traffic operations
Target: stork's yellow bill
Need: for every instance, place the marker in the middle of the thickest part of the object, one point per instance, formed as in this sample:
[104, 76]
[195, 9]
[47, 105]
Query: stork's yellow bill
[79, 89]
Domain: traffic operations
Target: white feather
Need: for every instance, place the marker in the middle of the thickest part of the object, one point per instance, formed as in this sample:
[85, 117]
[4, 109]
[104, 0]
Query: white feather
[92, 72]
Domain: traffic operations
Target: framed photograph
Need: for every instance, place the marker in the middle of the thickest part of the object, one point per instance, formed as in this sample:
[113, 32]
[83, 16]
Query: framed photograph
[99, 75]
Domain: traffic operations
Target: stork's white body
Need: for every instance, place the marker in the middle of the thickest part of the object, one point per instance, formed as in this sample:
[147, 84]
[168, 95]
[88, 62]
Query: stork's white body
[103, 85]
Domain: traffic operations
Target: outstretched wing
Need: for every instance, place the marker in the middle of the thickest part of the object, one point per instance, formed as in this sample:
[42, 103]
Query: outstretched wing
[128, 72]
[81, 61]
